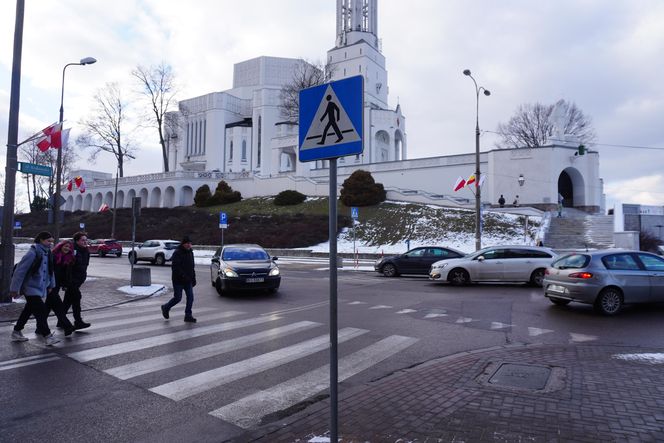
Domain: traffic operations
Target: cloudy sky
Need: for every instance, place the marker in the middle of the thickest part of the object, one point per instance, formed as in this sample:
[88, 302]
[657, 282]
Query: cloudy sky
[606, 56]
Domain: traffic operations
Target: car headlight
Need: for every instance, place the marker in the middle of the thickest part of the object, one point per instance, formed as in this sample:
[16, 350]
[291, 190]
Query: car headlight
[274, 271]
[379, 261]
[228, 272]
[438, 265]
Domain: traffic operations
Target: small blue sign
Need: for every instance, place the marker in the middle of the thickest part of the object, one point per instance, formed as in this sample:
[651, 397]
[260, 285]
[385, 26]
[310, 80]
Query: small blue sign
[81, 226]
[354, 213]
[332, 120]
[223, 220]
[17, 225]
[32, 168]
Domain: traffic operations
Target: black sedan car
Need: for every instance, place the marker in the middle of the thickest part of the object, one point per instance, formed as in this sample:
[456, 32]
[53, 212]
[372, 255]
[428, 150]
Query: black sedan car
[415, 261]
[244, 267]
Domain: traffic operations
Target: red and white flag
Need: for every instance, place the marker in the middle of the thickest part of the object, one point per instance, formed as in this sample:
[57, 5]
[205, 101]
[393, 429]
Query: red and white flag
[52, 137]
[103, 208]
[460, 183]
[70, 185]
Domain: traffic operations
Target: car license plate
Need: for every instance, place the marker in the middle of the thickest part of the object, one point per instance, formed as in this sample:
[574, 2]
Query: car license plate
[556, 288]
[255, 280]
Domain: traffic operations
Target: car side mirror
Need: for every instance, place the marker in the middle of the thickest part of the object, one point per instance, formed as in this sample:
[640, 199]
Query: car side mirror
[404, 256]
[215, 260]
[480, 258]
[275, 258]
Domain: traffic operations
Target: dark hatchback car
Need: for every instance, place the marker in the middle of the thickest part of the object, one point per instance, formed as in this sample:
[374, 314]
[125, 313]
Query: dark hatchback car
[105, 247]
[244, 267]
[415, 261]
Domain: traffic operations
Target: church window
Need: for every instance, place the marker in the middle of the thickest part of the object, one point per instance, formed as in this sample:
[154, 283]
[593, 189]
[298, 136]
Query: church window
[188, 148]
[360, 68]
[230, 152]
[345, 55]
[204, 134]
[344, 71]
[360, 51]
[258, 156]
[244, 150]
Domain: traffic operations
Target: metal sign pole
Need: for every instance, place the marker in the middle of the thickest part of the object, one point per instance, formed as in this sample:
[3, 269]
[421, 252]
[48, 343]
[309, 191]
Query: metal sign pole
[334, 374]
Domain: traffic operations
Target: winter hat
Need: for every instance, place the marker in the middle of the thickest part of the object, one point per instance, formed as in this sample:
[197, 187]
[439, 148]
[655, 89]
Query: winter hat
[185, 239]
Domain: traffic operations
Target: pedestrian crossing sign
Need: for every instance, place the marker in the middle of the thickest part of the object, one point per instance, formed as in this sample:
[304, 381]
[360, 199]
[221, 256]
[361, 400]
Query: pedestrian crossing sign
[331, 120]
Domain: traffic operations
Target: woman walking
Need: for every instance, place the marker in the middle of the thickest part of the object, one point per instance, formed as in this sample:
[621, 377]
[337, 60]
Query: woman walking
[34, 277]
[63, 264]
[78, 276]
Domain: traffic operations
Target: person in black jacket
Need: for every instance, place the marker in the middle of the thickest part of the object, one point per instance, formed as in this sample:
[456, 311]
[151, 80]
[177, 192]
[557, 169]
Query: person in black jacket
[184, 279]
[63, 263]
[79, 273]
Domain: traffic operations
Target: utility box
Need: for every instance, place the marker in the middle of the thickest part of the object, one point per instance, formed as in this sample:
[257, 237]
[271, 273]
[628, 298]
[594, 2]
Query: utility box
[141, 277]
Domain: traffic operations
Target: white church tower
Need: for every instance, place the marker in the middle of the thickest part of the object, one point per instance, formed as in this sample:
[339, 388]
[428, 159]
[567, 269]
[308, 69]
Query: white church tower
[358, 52]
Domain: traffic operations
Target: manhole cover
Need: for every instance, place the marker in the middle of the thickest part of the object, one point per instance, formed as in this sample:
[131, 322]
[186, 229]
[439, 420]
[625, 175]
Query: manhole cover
[521, 376]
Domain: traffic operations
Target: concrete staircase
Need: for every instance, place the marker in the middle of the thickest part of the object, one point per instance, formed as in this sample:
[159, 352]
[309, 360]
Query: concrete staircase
[579, 230]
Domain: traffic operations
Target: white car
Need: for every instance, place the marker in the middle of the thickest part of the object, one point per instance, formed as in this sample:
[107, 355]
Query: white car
[495, 264]
[157, 252]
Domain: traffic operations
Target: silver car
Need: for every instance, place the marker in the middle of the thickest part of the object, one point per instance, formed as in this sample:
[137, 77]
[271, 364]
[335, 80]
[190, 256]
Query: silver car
[495, 264]
[606, 279]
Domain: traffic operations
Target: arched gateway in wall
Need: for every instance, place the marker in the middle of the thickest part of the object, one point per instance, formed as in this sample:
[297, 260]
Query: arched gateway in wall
[572, 187]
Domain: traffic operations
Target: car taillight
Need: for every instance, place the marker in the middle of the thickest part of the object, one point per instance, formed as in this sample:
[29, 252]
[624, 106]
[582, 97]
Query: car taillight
[583, 275]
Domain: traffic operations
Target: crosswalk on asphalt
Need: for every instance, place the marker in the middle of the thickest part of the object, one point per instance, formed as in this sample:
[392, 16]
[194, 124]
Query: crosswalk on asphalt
[181, 361]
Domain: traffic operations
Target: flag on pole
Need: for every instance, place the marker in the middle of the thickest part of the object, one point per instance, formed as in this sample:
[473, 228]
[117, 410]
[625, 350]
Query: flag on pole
[70, 185]
[103, 208]
[460, 183]
[482, 178]
[51, 137]
[470, 180]
[65, 138]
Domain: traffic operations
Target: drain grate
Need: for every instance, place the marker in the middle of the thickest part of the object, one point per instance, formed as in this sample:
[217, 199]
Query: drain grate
[521, 376]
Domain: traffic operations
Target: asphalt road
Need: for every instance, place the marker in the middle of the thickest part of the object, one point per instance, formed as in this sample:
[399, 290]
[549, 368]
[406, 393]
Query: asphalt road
[134, 376]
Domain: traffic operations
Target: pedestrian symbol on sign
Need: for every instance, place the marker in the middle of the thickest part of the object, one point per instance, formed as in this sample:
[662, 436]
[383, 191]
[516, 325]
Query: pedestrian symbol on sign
[330, 119]
[354, 212]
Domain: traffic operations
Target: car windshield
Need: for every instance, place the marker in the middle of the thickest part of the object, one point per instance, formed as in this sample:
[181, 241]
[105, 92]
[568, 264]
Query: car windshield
[244, 254]
[110, 242]
[171, 245]
[572, 261]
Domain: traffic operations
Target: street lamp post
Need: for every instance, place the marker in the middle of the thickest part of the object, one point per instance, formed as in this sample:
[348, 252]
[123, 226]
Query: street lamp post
[478, 201]
[58, 176]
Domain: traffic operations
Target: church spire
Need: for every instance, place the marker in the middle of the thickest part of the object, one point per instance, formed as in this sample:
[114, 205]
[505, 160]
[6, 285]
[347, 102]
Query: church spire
[357, 20]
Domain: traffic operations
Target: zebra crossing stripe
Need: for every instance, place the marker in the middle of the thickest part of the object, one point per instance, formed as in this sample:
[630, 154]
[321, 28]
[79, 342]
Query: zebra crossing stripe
[27, 361]
[248, 411]
[197, 383]
[154, 315]
[158, 340]
[178, 358]
[91, 337]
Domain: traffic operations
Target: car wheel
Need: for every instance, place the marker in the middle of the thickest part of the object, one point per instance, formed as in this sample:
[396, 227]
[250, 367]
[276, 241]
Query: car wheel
[458, 277]
[119, 254]
[609, 301]
[159, 260]
[537, 278]
[559, 301]
[218, 286]
[389, 270]
[102, 254]
[132, 258]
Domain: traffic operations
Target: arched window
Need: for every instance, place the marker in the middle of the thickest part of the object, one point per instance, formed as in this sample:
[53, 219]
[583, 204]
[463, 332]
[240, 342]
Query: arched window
[230, 152]
[244, 150]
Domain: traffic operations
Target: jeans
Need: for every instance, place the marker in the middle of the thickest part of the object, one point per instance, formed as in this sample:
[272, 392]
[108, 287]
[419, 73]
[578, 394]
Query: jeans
[54, 303]
[34, 305]
[177, 297]
[73, 299]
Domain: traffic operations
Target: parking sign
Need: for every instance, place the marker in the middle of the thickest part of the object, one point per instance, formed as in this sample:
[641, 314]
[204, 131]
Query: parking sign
[223, 220]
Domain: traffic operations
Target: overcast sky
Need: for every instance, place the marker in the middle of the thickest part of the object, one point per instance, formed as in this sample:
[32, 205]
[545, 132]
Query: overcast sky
[606, 56]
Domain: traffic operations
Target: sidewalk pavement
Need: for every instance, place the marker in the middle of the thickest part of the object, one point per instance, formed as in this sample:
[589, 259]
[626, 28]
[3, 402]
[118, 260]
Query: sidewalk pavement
[97, 293]
[534, 393]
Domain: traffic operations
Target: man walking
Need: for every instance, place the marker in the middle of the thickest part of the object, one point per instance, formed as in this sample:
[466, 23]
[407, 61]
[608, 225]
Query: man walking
[183, 276]
[78, 276]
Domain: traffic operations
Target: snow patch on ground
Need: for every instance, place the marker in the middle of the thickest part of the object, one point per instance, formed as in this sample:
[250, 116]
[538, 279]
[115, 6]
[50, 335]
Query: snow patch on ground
[654, 358]
[141, 291]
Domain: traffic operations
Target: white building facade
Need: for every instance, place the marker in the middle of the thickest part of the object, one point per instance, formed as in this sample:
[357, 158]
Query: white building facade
[240, 136]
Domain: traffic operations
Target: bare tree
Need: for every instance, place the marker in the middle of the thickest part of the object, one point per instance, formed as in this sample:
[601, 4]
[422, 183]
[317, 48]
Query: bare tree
[158, 87]
[305, 75]
[103, 130]
[531, 126]
[44, 186]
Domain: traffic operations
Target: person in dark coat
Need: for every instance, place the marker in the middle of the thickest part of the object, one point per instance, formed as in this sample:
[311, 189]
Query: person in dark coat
[501, 201]
[183, 276]
[63, 264]
[78, 275]
[34, 278]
